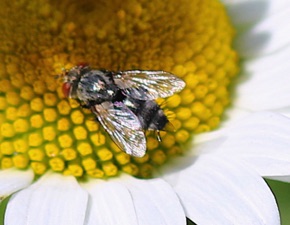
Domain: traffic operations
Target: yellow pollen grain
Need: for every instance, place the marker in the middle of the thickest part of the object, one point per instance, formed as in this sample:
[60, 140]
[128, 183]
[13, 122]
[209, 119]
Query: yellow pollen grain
[173, 101]
[6, 162]
[89, 163]
[6, 148]
[182, 136]
[121, 14]
[212, 84]
[213, 122]
[202, 128]
[63, 108]
[36, 154]
[36, 121]
[3, 103]
[176, 123]
[131, 169]
[187, 97]
[104, 154]
[20, 145]
[84, 148]
[35, 139]
[190, 66]
[183, 113]
[21, 125]
[141, 160]
[63, 124]
[200, 91]
[57, 164]
[179, 70]
[80, 133]
[17, 80]
[209, 100]
[191, 80]
[36, 104]
[77, 117]
[20, 161]
[145, 170]
[168, 141]
[75, 170]
[7, 130]
[69, 154]
[5, 85]
[198, 108]
[191, 123]
[159, 157]
[65, 141]
[73, 104]
[50, 114]
[39, 168]
[51, 150]
[50, 99]
[27, 93]
[110, 169]
[123, 158]
[24, 110]
[96, 173]
[92, 125]
[39, 87]
[49, 133]
[12, 68]
[218, 109]
[98, 139]
[152, 143]
[11, 113]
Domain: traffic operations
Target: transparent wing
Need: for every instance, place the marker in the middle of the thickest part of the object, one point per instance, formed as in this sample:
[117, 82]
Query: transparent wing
[123, 126]
[148, 85]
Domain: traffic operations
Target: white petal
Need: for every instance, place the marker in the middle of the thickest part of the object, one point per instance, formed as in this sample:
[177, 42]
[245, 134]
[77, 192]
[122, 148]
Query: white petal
[261, 140]
[266, 83]
[155, 202]
[110, 203]
[246, 12]
[131, 201]
[215, 190]
[267, 36]
[12, 180]
[54, 199]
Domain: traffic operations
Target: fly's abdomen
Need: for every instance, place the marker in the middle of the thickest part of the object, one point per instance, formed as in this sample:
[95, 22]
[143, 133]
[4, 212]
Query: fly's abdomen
[149, 113]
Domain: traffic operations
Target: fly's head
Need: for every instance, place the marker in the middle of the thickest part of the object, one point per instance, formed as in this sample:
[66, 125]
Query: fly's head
[71, 79]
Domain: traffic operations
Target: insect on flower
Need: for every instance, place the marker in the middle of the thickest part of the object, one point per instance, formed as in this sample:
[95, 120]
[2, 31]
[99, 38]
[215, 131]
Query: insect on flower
[123, 101]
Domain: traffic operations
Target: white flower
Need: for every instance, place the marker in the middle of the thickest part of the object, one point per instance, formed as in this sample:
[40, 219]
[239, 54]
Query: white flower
[220, 182]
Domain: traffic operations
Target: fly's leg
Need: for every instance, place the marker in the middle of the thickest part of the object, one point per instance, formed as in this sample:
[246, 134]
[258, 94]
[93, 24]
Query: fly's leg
[158, 135]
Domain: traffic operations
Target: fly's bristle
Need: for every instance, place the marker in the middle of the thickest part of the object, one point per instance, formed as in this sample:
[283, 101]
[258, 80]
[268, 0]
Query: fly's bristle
[169, 127]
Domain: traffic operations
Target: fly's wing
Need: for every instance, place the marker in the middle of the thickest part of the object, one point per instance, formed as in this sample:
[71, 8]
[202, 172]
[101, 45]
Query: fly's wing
[148, 85]
[123, 126]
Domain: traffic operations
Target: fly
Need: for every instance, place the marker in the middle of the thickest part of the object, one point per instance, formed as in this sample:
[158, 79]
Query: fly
[123, 101]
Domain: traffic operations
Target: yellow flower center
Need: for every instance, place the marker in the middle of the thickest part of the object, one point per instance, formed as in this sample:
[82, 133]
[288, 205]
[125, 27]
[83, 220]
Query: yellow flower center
[41, 129]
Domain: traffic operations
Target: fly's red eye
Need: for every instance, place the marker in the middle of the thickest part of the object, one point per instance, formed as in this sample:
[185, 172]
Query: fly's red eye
[82, 64]
[66, 89]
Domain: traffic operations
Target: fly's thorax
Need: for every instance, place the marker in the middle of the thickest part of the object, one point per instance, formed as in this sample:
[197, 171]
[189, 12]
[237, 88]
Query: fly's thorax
[96, 86]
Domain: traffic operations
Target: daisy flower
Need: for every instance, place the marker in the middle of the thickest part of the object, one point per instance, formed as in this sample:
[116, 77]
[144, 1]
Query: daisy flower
[58, 166]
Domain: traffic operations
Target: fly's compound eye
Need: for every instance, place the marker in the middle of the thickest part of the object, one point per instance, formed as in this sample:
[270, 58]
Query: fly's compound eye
[82, 65]
[66, 89]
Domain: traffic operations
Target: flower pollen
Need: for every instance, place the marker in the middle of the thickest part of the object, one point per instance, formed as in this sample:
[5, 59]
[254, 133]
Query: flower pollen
[42, 130]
